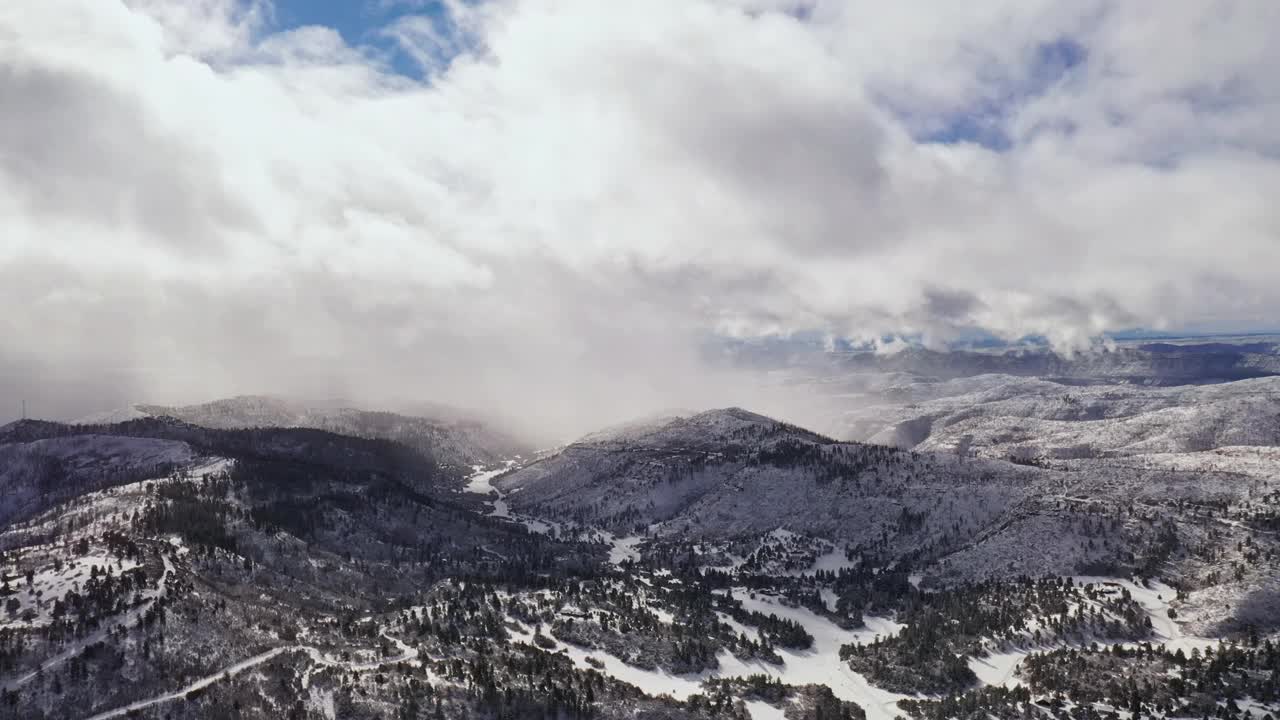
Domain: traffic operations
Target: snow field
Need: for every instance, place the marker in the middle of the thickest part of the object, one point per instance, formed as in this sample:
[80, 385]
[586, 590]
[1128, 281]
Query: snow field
[36, 600]
[819, 665]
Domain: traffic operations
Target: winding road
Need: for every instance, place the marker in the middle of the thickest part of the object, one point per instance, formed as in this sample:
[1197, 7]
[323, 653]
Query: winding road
[406, 653]
[124, 619]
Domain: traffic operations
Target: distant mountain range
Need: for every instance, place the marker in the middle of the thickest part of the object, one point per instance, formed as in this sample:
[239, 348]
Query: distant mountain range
[1162, 364]
[1168, 361]
[1006, 416]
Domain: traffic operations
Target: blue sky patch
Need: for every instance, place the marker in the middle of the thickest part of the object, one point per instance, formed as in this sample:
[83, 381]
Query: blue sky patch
[1053, 61]
[361, 24]
[983, 126]
[984, 123]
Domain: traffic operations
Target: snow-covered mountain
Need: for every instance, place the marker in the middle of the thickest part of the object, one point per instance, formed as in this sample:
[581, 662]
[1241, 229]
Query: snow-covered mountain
[46, 471]
[726, 473]
[255, 559]
[1003, 416]
[455, 440]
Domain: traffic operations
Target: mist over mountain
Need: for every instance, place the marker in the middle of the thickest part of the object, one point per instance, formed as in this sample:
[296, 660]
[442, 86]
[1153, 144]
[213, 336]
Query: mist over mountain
[451, 438]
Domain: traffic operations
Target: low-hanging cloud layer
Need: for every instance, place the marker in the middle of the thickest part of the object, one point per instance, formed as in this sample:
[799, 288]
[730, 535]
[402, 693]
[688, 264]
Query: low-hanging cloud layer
[195, 203]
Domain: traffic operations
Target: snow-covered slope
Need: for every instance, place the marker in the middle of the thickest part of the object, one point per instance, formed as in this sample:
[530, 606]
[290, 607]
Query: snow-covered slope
[1002, 416]
[454, 441]
[726, 473]
[746, 567]
[39, 473]
[108, 417]
[731, 474]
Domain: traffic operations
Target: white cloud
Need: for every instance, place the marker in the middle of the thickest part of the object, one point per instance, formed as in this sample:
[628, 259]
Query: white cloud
[193, 204]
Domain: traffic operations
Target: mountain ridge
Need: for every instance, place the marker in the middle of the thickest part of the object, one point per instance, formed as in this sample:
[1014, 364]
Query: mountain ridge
[460, 442]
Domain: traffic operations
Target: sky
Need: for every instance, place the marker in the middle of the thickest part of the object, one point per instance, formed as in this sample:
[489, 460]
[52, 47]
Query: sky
[550, 205]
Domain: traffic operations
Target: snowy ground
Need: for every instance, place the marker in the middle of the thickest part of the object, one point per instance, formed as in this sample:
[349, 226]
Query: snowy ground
[479, 482]
[833, 562]
[1154, 597]
[125, 619]
[1001, 668]
[764, 711]
[50, 583]
[101, 510]
[819, 665]
[406, 654]
[622, 549]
